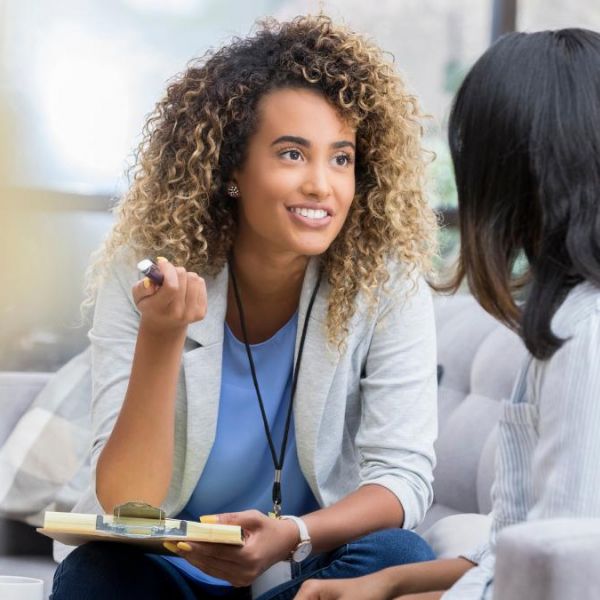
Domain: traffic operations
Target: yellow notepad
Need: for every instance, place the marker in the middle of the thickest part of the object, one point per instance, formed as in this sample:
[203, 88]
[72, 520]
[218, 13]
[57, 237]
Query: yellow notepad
[138, 524]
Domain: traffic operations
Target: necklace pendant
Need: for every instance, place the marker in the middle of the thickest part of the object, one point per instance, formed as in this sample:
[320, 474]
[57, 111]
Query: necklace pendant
[276, 514]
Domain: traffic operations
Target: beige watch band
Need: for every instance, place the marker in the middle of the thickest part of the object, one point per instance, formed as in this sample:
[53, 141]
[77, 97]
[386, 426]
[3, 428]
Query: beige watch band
[304, 547]
[302, 528]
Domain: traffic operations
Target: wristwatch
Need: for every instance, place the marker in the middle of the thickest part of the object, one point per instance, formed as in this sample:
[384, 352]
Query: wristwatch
[304, 547]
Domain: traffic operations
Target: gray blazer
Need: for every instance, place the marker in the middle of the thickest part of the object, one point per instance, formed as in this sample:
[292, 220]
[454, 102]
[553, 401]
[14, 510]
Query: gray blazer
[363, 416]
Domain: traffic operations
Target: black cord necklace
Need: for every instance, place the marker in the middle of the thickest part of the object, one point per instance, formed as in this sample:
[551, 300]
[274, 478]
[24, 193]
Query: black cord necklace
[277, 463]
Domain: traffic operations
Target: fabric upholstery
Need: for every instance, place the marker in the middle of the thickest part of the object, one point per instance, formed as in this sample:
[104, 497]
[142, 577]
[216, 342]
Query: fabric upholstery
[548, 560]
[459, 450]
[454, 535]
[480, 358]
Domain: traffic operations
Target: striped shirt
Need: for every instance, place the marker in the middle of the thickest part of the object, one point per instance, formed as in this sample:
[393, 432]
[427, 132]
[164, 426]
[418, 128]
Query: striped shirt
[548, 445]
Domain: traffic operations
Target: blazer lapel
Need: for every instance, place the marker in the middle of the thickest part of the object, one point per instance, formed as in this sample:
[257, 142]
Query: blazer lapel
[317, 369]
[210, 329]
[202, 376]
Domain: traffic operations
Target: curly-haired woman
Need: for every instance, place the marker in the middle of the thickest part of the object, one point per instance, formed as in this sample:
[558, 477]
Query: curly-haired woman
[292, 338]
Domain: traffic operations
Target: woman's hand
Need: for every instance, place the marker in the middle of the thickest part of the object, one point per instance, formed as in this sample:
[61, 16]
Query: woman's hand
[267, 541]
[179, 301]
[369, 587]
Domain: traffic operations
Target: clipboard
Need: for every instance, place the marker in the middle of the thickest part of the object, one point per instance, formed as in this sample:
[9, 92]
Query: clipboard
[135, 523]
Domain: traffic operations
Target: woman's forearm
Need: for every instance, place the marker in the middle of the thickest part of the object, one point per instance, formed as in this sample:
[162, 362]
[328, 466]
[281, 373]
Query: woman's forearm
[137, 460]
[368, 509]
[420, 577]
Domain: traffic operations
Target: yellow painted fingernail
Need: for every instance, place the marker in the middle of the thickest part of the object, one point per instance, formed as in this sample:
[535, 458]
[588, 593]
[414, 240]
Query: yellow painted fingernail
[209, 519]
[184, 546]
[146, 282]
[170, 546]
[161, 259]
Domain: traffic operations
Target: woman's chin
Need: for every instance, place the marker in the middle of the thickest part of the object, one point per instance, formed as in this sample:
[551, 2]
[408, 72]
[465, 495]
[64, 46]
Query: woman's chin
[312, 249]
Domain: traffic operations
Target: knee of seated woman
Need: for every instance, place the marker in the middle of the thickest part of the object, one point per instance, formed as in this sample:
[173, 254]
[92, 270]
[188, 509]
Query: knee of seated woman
[96, 567]
[394, 547]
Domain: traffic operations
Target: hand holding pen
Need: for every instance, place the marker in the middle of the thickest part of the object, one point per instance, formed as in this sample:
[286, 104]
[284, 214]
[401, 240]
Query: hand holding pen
[168, 297]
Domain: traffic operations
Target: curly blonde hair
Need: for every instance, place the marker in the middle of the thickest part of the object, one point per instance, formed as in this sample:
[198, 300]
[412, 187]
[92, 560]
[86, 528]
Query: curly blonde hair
[197, 136]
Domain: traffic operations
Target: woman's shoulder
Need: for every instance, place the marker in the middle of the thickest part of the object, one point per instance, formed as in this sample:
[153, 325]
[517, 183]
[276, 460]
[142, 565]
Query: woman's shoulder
[405, 291]
[403, 281]
[582, 304]
[577, 322]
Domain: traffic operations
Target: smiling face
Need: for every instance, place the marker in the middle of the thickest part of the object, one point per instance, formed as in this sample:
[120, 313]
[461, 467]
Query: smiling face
[297, 182]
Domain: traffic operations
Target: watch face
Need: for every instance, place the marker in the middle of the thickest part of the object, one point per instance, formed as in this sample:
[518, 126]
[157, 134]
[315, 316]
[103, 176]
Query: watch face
[302, 551]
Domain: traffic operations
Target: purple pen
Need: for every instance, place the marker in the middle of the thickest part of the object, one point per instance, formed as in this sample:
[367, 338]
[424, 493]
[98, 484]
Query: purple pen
[150, 269]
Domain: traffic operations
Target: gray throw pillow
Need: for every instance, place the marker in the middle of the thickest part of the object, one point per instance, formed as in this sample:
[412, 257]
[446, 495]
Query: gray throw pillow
[44, 461]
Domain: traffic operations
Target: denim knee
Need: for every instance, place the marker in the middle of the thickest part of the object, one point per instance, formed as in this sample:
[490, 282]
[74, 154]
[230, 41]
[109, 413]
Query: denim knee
[395, 547]
[101, 570]
[78, 567]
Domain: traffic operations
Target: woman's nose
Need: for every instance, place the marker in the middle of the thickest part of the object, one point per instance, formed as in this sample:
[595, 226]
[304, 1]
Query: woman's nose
[317, 182]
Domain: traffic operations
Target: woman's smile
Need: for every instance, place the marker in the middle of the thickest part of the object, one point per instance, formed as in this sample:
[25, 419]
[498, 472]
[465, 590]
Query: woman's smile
[310, 217]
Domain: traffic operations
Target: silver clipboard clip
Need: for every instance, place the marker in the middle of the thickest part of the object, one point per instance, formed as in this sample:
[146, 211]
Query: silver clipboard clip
[138, 519]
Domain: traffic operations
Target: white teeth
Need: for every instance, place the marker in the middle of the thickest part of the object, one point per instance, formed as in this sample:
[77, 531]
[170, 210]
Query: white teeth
[310, 213]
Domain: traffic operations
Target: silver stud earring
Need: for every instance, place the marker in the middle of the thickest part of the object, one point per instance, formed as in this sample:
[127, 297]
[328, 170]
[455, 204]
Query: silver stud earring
[233, 191]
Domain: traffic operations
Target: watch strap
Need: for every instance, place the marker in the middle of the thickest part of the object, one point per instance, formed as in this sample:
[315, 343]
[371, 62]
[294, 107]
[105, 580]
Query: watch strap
[302, 528]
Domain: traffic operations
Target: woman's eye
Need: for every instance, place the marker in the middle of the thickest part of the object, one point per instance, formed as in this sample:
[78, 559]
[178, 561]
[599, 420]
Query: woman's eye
[342, 160]
[292, 154]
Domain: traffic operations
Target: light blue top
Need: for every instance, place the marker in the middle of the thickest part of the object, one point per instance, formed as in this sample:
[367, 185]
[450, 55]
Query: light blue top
[239, 472]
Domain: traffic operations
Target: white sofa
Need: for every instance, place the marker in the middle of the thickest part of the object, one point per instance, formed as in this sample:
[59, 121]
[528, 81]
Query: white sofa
[479, 359]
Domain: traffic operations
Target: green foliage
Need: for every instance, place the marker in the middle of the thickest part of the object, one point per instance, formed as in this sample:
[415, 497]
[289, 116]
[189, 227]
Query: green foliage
[441, 185]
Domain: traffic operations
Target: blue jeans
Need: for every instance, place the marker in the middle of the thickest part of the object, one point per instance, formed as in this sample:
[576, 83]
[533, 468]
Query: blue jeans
[105, 570]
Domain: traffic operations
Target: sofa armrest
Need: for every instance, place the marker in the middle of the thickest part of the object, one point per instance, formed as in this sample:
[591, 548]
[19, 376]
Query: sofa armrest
[17, 392]
[548, 560]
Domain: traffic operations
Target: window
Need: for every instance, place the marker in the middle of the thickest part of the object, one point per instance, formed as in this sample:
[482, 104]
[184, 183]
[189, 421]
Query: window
[535, 15]
[76, 81]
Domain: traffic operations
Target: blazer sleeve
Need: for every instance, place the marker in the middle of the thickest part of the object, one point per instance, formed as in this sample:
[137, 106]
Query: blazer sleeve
[399, 400]
[113, 337]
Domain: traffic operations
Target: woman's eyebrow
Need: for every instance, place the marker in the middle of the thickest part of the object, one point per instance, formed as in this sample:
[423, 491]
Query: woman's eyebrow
[294, 139]
[343, 144]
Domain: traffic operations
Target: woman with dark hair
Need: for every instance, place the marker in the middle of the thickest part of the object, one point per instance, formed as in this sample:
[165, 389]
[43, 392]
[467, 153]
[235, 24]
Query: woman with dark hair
[287, 361]
[525, 140]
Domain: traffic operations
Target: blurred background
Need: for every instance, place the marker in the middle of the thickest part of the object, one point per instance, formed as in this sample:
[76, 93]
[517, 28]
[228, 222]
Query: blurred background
[78, 77]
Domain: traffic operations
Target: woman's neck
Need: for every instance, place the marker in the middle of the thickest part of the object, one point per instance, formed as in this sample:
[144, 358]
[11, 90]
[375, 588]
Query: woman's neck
[269, 286]
[269, 277]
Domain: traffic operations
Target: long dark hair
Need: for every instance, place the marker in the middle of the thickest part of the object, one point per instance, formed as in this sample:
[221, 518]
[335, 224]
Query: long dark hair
[524, 135]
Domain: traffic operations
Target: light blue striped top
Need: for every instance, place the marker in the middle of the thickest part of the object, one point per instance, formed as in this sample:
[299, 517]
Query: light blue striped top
[548, 445]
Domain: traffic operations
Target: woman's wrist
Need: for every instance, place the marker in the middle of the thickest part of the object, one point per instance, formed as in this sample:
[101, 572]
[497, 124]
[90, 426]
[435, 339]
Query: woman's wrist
[290, 537]
[153, 334]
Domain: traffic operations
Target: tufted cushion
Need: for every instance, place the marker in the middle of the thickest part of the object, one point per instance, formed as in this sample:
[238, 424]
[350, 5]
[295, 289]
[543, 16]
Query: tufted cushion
[459, 449]
[480, 358]
[458, 534]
